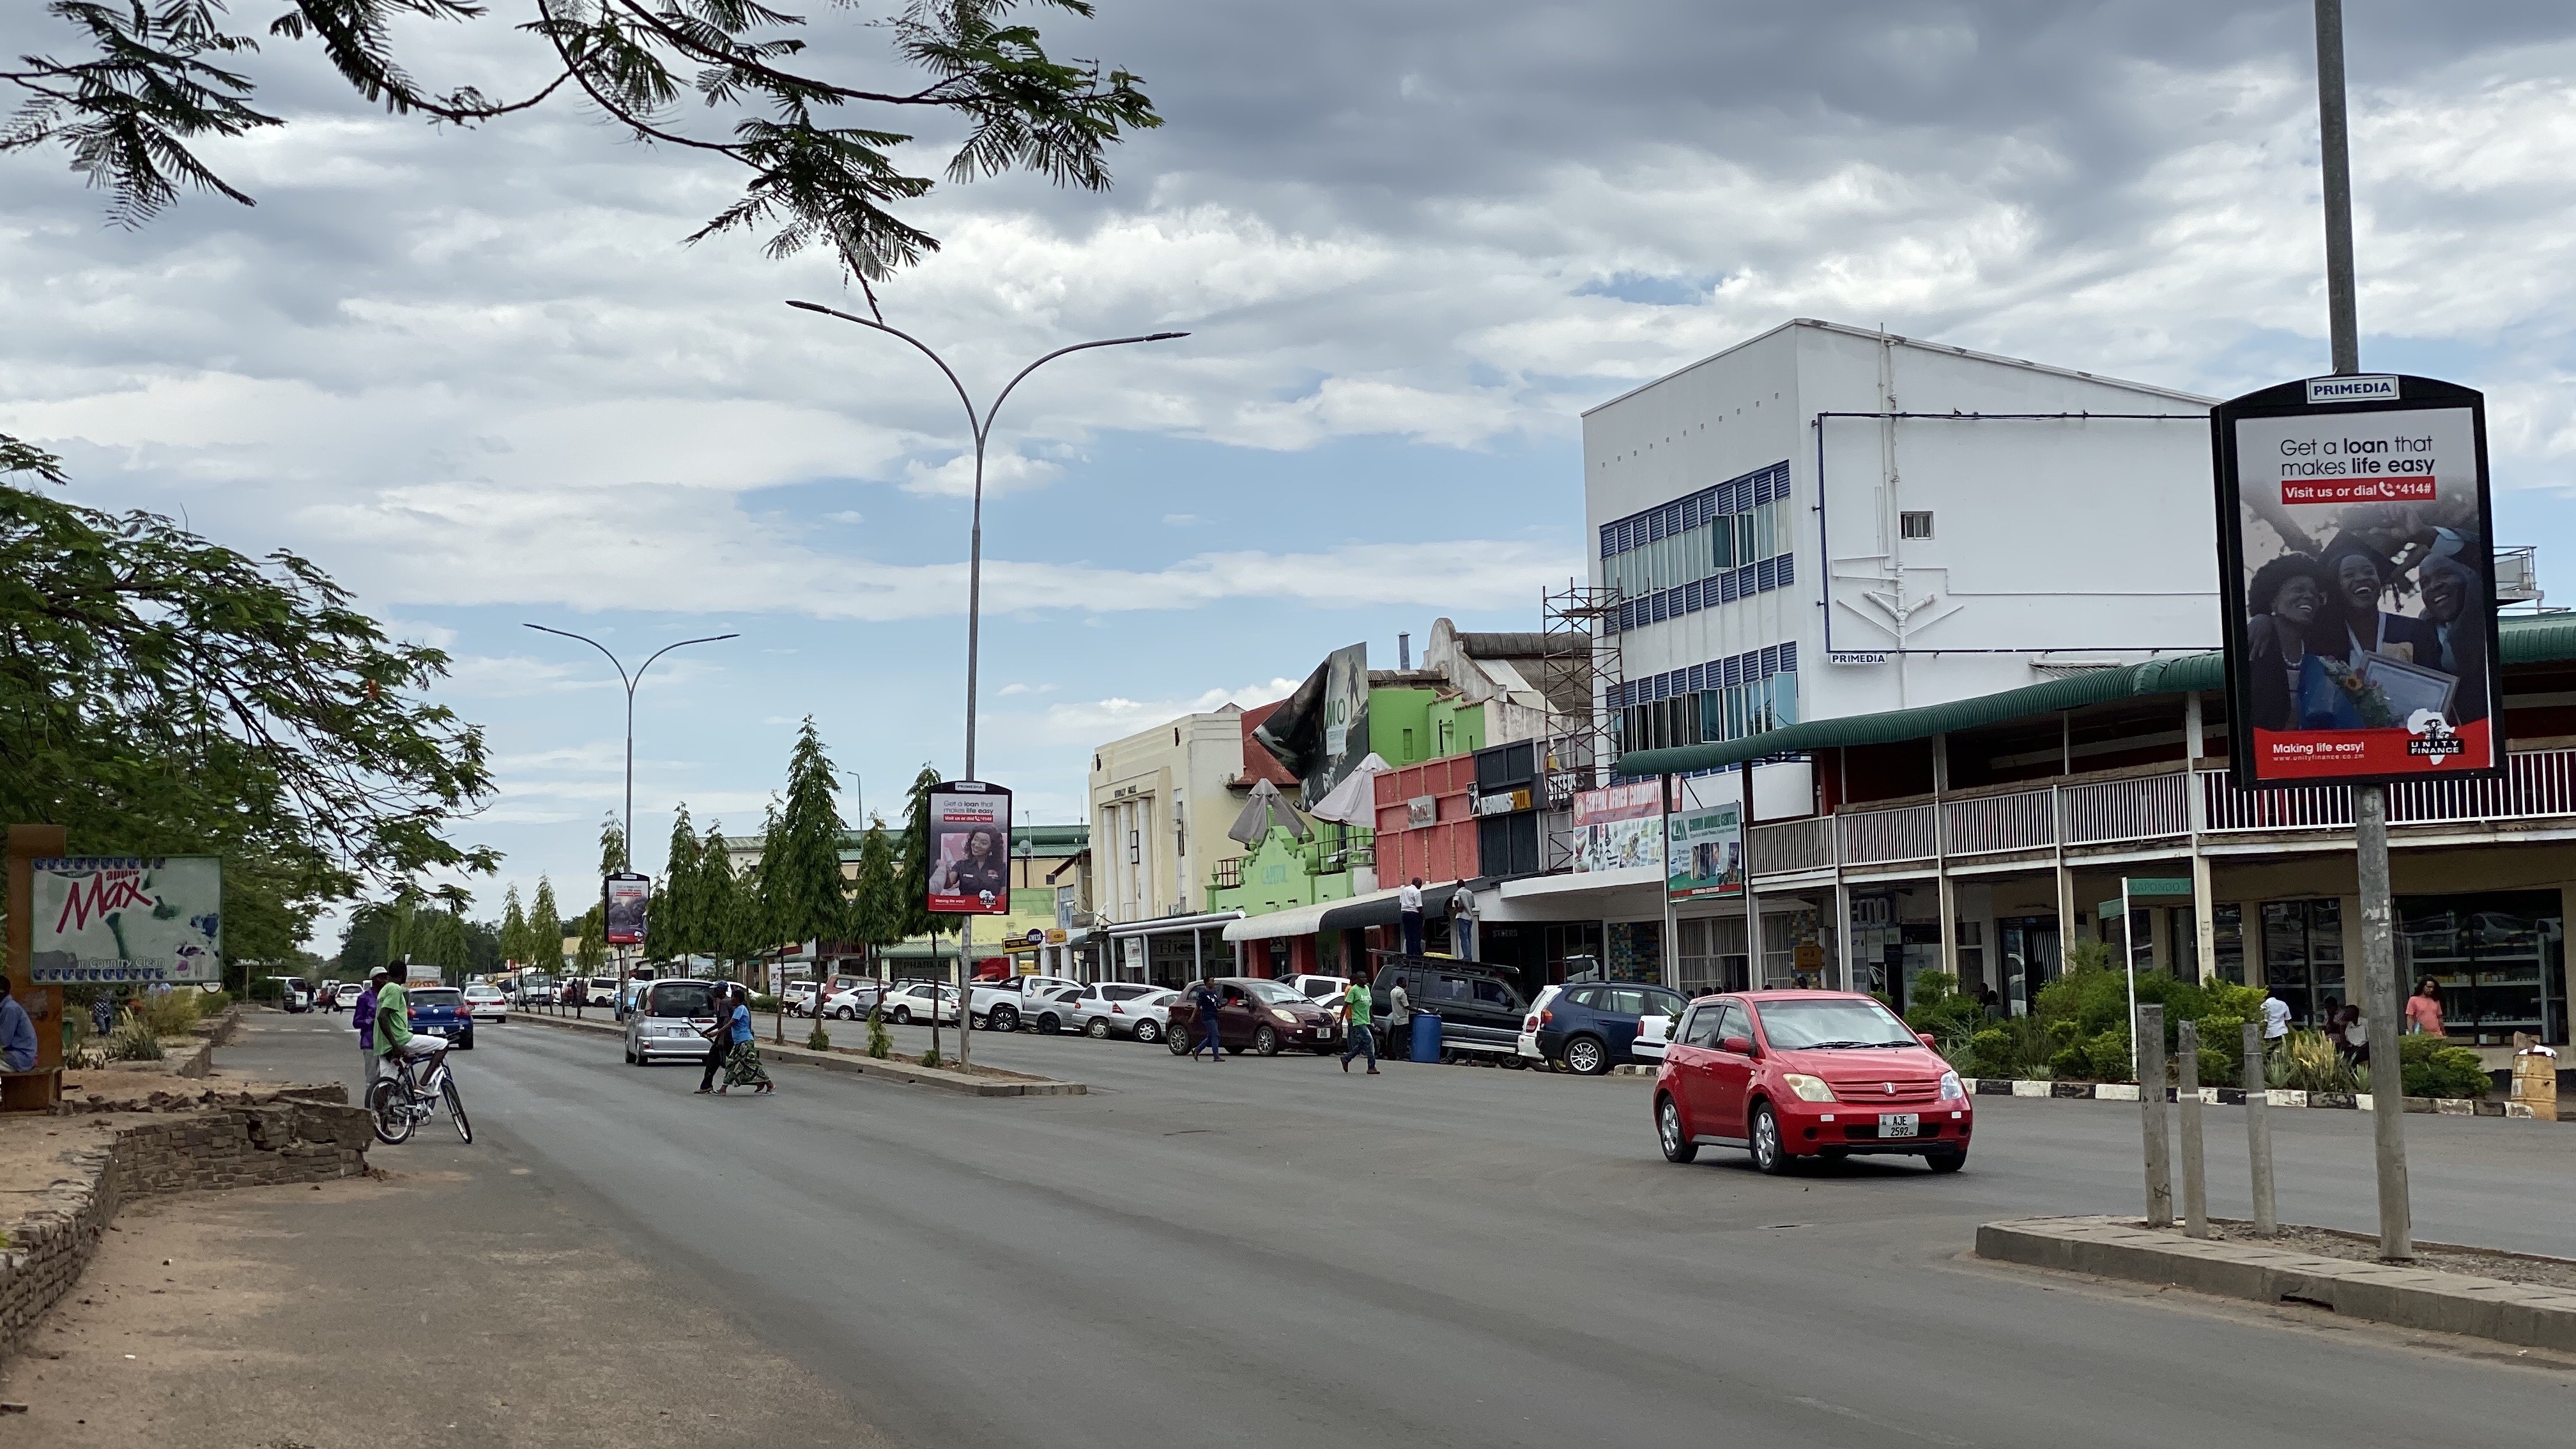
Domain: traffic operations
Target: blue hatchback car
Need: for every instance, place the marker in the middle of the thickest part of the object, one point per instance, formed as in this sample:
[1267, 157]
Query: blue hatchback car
[441, 1011]
[1588, 1028]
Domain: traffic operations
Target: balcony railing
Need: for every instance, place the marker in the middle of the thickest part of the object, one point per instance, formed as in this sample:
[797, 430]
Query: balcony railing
[2537, 784]
[1227, 875]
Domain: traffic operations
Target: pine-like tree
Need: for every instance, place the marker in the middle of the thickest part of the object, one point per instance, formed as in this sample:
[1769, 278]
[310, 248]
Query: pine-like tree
[514, 930]
[800, 863]
[545, 930]
[678, 913]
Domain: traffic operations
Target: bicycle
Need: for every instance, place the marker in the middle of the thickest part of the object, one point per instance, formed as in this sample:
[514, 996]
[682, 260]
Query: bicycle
[399, 1103]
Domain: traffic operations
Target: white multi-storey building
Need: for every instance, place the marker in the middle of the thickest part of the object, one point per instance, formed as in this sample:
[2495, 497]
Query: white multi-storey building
[1825, 521]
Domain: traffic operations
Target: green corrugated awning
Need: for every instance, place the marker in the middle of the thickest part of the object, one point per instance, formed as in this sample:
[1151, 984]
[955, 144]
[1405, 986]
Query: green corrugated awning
[2530, 639]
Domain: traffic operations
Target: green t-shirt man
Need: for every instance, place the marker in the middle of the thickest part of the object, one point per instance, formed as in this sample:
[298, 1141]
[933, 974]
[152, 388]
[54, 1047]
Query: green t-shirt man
[1355, 1005]
[393, 1018]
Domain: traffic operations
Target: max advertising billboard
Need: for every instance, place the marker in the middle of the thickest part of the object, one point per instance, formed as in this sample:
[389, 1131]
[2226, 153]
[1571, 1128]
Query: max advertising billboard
[969, 849]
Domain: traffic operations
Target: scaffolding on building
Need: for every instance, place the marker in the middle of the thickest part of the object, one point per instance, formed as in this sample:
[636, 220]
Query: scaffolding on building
[1580, 673]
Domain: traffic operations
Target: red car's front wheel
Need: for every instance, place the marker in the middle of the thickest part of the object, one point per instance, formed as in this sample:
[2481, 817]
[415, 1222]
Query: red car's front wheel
[1769, 1153]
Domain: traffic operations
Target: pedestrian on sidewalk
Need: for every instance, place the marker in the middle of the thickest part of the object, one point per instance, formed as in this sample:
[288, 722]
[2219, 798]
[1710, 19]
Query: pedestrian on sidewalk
[1355, 1020]
[2424, 1008]
[364, 1011]
[17, 1033]
[719, 1035]
[742, 1061]
[1203, 1005]
[1408, 905]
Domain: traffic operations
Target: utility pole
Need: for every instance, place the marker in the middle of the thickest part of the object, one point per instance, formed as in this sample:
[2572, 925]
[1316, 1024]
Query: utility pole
[2380, 994]
[981, 427]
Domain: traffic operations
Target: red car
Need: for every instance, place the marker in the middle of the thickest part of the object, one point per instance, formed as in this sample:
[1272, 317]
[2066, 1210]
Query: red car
[1791, 1074]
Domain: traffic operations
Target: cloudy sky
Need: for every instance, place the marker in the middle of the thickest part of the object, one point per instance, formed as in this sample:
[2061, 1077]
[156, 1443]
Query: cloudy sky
[479, 377]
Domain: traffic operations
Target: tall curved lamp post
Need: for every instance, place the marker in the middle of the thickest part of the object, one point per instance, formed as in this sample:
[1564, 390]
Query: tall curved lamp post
[631, 680]
[980, 426]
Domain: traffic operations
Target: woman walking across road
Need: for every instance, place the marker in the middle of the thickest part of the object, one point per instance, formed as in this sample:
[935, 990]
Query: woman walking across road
[742, 1063]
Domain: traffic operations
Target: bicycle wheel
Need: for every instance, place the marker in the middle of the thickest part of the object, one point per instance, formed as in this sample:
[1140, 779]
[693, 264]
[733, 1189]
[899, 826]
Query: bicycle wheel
[386, 1101]
[456, 1110]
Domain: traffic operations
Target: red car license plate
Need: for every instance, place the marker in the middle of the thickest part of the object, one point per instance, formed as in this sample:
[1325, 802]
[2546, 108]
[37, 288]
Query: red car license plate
[1900, 1124]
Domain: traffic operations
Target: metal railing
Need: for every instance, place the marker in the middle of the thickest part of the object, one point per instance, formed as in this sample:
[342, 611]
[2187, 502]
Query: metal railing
[2537, 784]
[1227, 875]
[1793, 845]
[1985, 824]
[1873, 837]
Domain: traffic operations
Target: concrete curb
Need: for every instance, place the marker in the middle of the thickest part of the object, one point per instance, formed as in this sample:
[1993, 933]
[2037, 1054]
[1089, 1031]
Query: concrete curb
[2419, 1298]
[856, 1064]
[2235, 1097]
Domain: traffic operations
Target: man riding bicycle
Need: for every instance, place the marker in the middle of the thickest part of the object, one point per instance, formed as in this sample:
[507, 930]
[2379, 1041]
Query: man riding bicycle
[395, 1040]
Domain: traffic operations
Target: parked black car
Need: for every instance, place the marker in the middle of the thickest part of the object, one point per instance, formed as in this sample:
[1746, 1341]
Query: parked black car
[1479, 1009]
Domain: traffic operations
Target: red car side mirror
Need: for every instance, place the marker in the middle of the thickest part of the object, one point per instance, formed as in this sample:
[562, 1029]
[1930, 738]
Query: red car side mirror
[1741, 1046]
[1925, 1037]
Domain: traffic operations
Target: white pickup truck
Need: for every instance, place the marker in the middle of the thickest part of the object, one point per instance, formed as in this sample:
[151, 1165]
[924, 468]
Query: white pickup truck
[1002, 1005]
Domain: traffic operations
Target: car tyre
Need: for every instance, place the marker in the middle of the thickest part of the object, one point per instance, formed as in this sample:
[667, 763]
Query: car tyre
[1668, 1132]
[1098, 1030]
[1265, 1041]
[1048, 1025]
[1770, 1154]
[902, 1016]
[1148, 1032]
[1516, 1062]
[630, 1056]
[1002, 1018]
[1585, 1056]
[1946, 1161]
[1178, 1042]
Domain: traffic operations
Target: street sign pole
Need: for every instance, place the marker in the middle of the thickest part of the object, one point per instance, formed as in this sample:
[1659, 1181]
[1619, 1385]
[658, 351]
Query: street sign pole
[2369, 801]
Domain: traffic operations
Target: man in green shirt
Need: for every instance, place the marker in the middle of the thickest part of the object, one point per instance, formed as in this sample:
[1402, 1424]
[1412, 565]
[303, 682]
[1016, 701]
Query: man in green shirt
[1355, 1020]
[394, 1036]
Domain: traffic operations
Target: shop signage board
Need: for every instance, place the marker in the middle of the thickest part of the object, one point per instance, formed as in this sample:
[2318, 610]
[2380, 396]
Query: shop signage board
[128, 918]
[624, 898]
[969, 849]
[2357, 565]
[1706, 851]
[1618, 827]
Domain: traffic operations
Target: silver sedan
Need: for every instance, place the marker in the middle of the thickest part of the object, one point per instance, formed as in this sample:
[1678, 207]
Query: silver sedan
[1123, 1008]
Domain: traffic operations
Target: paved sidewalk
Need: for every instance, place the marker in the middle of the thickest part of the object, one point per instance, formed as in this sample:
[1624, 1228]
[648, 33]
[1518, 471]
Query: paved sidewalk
[454, 1303]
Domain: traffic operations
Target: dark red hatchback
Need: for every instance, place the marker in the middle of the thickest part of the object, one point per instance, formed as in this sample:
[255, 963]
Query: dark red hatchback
[1792, 1074]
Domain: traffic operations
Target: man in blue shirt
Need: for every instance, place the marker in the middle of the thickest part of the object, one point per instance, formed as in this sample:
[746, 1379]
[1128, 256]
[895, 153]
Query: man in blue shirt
[17, 1033]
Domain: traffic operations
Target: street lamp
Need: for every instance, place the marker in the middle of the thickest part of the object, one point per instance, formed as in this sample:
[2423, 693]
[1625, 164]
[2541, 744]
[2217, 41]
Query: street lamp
[981, 427]
[631, 681]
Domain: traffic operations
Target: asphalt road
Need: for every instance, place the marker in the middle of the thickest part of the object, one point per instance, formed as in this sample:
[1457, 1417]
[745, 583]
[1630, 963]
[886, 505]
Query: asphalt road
[1272, 1252]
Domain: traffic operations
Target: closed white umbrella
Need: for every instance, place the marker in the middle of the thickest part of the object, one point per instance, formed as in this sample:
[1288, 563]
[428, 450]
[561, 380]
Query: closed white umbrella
[1354, 801]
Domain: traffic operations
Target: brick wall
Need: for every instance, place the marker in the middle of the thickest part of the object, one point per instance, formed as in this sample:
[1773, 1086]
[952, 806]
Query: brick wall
[281, 1141]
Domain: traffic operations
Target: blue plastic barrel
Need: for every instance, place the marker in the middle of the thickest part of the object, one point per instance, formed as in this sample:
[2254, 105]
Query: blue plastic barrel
[1426, 1037]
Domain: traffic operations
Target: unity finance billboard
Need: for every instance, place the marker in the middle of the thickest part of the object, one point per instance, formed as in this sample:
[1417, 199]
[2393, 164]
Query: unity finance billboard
[2357, 560]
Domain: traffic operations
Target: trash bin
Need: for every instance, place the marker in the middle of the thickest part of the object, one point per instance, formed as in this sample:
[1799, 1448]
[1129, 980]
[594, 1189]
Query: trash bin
[1426, 1037]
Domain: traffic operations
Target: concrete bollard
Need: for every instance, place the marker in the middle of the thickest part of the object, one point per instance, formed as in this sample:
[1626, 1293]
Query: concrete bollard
[2258, 1133]
[2151, 1114]
[2195, 1184]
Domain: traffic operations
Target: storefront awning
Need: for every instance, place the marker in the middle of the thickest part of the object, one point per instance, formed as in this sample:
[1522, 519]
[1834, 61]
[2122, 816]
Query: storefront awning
[1171, 925]
[1294, 921]
[1380, 908]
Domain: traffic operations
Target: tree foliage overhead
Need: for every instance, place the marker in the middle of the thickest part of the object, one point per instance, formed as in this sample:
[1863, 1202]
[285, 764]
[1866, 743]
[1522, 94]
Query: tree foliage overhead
[142, 83]
[164, 695]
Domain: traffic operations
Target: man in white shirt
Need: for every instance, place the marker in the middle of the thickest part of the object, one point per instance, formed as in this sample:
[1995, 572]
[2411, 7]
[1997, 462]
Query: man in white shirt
[2276, 1019]
[1408, 902]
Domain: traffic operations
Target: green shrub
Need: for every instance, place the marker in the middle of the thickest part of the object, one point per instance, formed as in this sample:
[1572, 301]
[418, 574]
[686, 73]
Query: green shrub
[133, 1040]
[172, 1013]
[1942, 1012]
[267, 989]
[2307, 1061]
[880, 1044]
[761, 1001]
[2222, 1050]
[1991, 1054]
[818, 1040]
[2108, 1056]
[2070, 1064]
[2435, 1068]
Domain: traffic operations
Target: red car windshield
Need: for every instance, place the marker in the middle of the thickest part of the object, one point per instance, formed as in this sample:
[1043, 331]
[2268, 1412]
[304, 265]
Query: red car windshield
[1824, 1025]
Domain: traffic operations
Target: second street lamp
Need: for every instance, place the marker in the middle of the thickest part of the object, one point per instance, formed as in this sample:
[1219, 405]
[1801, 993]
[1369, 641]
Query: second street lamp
[980, 426]
[630, 680]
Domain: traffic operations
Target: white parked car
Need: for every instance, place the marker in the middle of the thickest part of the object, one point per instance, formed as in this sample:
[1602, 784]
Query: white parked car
[911, 1002]
[1123, 1008]
[1322, 990]
[852, 1003]
[1527, 1052]
[487, 1003]
[799, 998]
